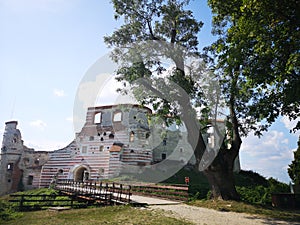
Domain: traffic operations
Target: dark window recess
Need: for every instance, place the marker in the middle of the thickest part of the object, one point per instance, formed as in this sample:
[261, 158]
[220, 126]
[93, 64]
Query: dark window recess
[99, 134]
[30, 180]
[131, 151]
[104, 133]
[163, 156]
[165, 141]
[111, 136]
[10, 166]
[91, 138]
[9, 180]
[60, 171]
[101, 139]
[37, 162]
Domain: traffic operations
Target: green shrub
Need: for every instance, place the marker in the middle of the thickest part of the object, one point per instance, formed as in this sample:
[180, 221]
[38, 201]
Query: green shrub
[261, 194]
[7, 211]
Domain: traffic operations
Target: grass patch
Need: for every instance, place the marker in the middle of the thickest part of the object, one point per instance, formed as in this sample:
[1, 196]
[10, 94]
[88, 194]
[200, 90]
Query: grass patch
[105, 215]
[240, 207]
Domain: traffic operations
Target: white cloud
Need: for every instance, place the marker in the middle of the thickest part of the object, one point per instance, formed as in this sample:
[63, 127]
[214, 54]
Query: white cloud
[59, 93]
[45, 145]
[268, 155]
[285, 141]
[102, 91]
[69, 119]
[38, 124]
[290, 124]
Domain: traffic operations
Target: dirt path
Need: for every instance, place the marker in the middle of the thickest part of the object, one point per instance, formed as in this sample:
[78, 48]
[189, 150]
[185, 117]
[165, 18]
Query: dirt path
[206, 216]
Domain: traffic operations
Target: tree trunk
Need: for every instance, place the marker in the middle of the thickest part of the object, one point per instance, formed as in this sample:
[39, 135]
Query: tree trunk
[221, 177]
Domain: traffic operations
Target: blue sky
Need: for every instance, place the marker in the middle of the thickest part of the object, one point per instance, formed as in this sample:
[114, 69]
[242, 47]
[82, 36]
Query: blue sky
[46, 48]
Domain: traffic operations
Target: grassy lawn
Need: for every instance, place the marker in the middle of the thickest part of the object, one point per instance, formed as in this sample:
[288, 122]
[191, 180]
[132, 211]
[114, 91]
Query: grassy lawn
[241, 207]
[105, 215]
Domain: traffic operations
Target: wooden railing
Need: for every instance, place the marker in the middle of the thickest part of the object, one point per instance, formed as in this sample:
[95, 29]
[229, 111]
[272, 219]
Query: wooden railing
[106, 192]
[172, 192]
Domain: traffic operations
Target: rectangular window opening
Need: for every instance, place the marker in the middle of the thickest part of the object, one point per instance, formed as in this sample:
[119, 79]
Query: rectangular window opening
[30, 180]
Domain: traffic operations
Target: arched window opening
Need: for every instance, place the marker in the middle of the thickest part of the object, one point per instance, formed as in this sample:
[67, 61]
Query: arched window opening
[111, 136]
[131, 136]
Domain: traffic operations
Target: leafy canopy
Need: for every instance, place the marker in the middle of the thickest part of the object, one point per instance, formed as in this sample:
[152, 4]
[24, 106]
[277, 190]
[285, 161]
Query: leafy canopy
[260, 40]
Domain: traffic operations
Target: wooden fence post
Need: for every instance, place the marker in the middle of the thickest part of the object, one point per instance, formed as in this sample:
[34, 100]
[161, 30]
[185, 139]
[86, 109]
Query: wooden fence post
[21, 203]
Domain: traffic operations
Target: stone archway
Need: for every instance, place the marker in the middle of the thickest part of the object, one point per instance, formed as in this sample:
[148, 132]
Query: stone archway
[81, 174]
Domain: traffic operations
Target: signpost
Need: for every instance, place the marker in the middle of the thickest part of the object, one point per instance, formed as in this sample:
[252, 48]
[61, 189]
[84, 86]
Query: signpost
[187, 180]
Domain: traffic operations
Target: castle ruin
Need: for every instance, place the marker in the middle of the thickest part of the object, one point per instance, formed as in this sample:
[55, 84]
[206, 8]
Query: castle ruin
[115, 139]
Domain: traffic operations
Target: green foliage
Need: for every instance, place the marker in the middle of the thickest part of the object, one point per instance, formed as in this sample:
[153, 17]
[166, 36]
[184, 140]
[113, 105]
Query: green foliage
[7, 211]
[171, 28]
[250, 179]
[252, 187]
[259, 194]
[294, 167]
[198, 186]
[259, 46]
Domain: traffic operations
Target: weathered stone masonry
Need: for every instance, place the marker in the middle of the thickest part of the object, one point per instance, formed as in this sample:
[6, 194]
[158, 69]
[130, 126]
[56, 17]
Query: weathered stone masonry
[114, 139]
[112, 136]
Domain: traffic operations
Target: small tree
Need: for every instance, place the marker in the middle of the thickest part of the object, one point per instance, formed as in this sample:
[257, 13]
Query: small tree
[294, 167]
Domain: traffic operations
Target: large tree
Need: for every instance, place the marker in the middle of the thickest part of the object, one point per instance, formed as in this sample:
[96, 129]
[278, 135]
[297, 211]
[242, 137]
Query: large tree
[175, 33]
[250, 71]
[256, 57]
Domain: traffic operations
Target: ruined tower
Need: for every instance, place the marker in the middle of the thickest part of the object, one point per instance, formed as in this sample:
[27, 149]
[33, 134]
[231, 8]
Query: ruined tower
[20, 166]
[11, 151]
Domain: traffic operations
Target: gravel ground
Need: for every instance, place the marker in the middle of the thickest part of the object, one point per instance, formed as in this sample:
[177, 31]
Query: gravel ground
[206, 216]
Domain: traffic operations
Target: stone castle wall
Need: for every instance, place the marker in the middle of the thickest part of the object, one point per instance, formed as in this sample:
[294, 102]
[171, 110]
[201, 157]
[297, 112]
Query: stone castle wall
[111, 136]
[114, 139]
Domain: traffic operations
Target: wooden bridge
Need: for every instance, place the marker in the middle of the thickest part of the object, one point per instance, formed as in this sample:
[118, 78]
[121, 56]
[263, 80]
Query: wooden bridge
[81, 194]
[101, 193]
